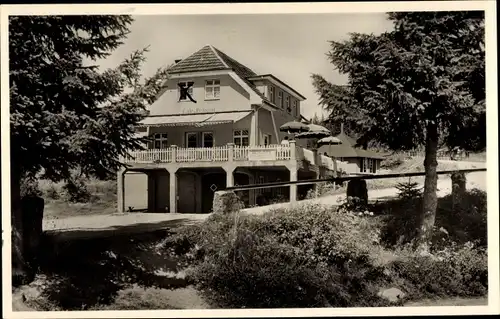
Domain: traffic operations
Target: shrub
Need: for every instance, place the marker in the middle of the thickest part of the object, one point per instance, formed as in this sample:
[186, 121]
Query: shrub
[453, 271]
[30, 187]
[459, 223]
[409, 190]
[76, 190]
[301, 257]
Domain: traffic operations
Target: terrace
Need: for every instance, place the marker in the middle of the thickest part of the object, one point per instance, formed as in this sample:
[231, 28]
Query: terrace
[271, 155]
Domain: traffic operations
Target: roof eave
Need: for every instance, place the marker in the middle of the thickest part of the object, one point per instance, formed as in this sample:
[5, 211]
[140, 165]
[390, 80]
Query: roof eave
[266, 76]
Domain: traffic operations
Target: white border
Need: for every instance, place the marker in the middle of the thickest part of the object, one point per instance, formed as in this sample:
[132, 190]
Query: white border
[261, 8]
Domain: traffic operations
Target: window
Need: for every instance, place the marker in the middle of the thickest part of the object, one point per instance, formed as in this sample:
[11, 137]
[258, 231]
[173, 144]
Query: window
[160, 140]
[287, 103]
[240, 137]
[190, 90]
[192, 139]
[207, 139]
[271, 94]
[212, 89]
[368, 165]
[267, 139]
[280, 99]
[296, 108]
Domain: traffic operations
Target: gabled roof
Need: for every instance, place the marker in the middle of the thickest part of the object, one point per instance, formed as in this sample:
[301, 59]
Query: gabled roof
[347, 149]
[209, 58]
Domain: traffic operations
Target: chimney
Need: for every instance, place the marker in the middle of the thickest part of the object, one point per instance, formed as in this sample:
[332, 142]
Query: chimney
[177, 61]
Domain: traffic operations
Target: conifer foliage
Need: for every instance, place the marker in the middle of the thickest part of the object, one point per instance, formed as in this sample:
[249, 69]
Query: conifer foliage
[64, 113]
[421, 84]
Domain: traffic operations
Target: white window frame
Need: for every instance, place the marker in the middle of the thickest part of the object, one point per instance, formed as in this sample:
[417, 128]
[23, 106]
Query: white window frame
[212, 84]
[161, 138]
[238, 135]
[271, 93]
[203, 138]
[190, 91]
[296, 107]
[280, 99]
[287, 104]
[187, 139]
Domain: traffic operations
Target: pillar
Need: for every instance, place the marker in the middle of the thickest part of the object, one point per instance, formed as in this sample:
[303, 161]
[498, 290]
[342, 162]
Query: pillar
[230, 155]
[254, 130]
[120, 191]
[173, 191]
[293, 187]
[229, 176]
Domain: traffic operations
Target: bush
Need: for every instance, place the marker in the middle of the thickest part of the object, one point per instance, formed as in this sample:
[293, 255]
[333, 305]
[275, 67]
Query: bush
[76, 190]
[30, 187]
[460, 223]
[409, 190]
[302, 257]
[453, 271]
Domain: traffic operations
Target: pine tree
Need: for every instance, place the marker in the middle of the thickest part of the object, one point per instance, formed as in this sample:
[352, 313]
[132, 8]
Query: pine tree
[418, 85]
[64, 114]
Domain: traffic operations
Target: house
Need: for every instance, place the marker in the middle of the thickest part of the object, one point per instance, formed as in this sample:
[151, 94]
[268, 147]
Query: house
[215, 125]
[366, 161]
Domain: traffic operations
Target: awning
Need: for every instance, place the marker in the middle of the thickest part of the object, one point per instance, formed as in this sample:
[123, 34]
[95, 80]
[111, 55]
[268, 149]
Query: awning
[194, 119]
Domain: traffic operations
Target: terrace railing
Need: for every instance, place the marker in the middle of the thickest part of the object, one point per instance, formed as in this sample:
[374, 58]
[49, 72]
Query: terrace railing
[225, 153]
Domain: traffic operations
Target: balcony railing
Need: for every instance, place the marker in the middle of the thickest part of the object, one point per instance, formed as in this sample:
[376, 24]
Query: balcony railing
[213, 154]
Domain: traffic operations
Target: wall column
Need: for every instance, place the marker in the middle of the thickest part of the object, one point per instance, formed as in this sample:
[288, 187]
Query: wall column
[120, 190]
[254, 128]
[229, 176]
[173, 191]
[293, 187]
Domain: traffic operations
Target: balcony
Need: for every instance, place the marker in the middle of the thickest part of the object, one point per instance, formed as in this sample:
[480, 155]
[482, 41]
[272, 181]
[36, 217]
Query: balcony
[234, 153]
[224, 153]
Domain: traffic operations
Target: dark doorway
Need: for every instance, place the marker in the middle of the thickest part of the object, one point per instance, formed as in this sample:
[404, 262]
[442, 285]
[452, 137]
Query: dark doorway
[210, 183]
[244, 195]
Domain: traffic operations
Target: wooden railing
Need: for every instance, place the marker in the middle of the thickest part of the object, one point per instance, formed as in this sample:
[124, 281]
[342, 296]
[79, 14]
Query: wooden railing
[213, 154]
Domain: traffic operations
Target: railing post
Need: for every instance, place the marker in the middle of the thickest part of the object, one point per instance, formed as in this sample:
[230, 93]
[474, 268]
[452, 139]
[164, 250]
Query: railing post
[174, 153]
[230, 152]
[293, 150]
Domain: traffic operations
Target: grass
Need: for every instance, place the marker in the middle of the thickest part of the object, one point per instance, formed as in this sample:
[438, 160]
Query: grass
[102, 199]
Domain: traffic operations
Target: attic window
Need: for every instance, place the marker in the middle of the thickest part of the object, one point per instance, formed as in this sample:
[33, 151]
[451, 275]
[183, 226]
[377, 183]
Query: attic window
[188, 84]
[212, 89]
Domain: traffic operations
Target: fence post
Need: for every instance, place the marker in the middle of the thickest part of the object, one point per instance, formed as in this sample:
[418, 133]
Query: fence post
[458, 187]
[230, 155]
[174, 153]
[293, 150]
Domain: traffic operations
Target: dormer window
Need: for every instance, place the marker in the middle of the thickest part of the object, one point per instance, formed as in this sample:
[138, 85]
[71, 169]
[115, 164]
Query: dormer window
[184, 84]
[287, 103]
[280, 99]
[212, 89]
[271, 94]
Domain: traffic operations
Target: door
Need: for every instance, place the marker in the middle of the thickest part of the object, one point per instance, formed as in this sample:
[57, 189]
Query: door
[186, 183]
[209, 183]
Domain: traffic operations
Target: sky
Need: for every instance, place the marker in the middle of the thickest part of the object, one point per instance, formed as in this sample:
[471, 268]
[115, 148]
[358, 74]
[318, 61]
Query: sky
[289, 46]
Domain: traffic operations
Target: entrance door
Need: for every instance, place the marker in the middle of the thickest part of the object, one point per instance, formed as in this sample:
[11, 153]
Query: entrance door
[186, 183]
[216, 179]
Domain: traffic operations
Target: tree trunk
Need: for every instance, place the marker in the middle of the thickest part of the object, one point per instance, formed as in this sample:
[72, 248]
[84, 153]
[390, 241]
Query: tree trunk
[21, 272]
[429, 205]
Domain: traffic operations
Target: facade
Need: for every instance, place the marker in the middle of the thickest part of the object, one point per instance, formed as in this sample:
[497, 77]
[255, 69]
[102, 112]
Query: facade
[215, 125]
[359, 160]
